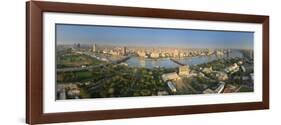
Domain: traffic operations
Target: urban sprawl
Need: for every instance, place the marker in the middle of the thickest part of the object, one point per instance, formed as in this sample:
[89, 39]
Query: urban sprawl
[102, 71]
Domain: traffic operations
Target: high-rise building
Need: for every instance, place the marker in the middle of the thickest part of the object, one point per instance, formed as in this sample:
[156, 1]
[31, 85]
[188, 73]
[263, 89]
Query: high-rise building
[227, 53]
[124, 50]
[251, 54]
[78, 45]
[94, 48]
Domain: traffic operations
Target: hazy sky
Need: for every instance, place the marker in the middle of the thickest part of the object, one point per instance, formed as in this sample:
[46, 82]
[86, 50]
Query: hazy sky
[152, 37]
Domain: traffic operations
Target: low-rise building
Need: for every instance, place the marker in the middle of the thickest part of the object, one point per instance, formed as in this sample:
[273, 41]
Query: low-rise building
[207, 70]
[230, 89]
[219, 89]
[113, 53]
[161, 93]
[232, 69]
[68, 90]
[141, 54]
[184, 70]
[154, 55]
[170, 76]
[219, 53]
[252, 76]
[208, 91]
[73, 92]
[123, 64]
[221, 76]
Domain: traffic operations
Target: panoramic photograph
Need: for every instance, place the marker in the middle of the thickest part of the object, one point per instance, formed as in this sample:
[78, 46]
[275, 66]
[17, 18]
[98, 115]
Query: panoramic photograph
[95, 61]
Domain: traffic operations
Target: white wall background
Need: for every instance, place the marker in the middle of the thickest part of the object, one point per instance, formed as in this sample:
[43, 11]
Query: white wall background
[12, 63]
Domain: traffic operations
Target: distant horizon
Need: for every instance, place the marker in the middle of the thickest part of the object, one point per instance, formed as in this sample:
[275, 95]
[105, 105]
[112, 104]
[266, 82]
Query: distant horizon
[67, 34]
[104, 45]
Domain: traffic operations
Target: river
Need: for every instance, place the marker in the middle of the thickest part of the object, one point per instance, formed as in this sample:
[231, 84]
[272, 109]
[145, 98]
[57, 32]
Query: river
[167, 63]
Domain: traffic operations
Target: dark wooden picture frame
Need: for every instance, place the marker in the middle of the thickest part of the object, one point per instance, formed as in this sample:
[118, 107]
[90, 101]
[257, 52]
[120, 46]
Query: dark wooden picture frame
[34, 61]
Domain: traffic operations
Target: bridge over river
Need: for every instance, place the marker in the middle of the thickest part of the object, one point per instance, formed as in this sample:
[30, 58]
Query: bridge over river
[177, 62]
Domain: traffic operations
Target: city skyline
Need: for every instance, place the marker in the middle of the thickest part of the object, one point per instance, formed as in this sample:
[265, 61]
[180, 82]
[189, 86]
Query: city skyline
[152, 37]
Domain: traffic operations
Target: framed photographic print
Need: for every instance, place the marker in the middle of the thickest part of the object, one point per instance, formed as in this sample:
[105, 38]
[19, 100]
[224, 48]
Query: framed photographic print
[95, 62]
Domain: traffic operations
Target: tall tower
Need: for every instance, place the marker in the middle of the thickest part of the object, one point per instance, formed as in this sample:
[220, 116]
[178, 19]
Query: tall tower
[252, 54]
[94, 48]
[124, 50]
[227, 52]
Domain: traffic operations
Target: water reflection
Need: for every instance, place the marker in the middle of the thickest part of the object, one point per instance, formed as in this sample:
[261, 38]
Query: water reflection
[167, 63]
[150, 63]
